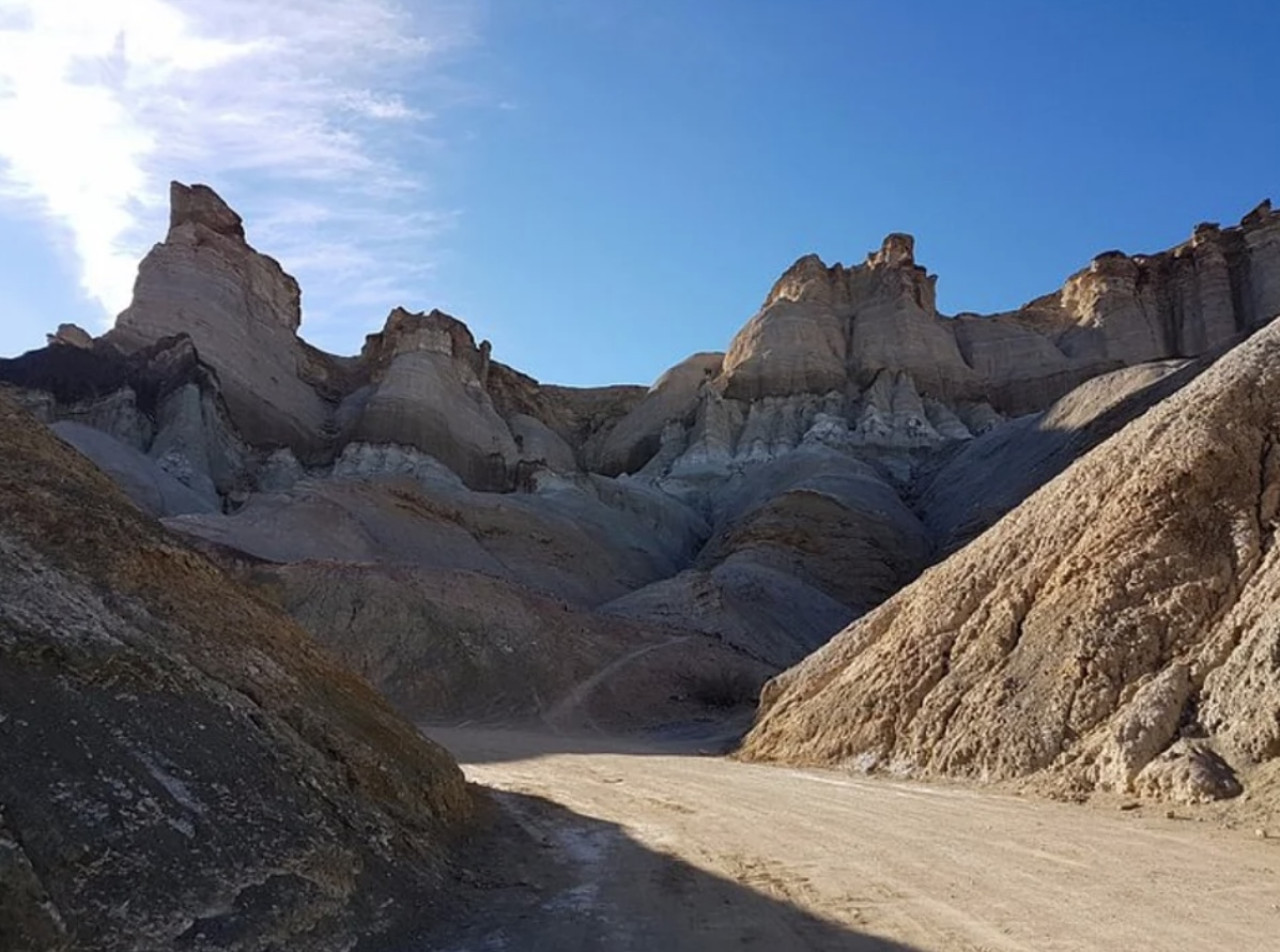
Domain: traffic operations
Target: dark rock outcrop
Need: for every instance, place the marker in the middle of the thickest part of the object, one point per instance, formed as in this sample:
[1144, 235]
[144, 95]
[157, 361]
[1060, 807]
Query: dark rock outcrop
[179, 764]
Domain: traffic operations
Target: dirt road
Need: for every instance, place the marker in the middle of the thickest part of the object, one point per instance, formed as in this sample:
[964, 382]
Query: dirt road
[647, 849]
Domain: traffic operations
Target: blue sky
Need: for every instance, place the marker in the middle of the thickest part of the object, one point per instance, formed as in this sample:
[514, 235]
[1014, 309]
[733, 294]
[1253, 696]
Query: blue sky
[602, 188]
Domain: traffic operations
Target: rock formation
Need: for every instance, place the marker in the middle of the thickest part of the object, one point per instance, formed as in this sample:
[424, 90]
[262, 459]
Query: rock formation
[446, 644]
[752, 501]
[180, 766]
[1116, 631]
[240, 310]
[72, 336]
[966, 488]
[866, 345]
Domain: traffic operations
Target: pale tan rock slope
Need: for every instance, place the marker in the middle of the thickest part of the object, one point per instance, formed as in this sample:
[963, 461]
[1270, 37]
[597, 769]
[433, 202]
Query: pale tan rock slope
[1117, 631]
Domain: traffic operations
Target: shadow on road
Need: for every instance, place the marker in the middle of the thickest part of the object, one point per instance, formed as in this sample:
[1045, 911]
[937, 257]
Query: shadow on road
[538, 877]
[488, 743]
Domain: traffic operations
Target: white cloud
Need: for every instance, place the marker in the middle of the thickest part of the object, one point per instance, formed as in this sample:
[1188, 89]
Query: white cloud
[381, 107]
[301, 112]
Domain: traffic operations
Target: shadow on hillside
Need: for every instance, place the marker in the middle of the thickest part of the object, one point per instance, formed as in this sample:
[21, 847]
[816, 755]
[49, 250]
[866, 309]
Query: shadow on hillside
[539, 877]
[496, 743]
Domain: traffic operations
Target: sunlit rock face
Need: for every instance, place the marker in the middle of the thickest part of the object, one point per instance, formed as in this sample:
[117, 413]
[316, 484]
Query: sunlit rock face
[848, 436]
[847, 357]
[1116, 631]
[241, 311]
[835, 328]
[427, 390]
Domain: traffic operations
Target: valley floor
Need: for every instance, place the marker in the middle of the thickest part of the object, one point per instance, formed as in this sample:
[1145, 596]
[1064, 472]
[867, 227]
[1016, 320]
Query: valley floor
[616, 845]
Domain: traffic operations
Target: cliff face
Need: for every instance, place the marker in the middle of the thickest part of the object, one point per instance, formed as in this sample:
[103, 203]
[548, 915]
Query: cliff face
[827, 328]
[755, 500]
[241, 311]
[422, 382]
[427, 390]
[859, 354]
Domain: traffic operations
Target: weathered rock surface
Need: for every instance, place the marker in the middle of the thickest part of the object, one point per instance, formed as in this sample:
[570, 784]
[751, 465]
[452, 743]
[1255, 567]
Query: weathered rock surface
[1115, 631]
[161, 401]
[152, 489]
[72, 335]
[242, 312]
[180, 766]
[869, 341]
[965, 489]
[449, 645]
[674, 397]
[828, 519]
[428, 392]
[586, 542]
[762, 612]
[761, 498]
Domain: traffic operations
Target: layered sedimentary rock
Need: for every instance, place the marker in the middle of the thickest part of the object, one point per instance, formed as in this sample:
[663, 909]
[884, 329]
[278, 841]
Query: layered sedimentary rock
[241, 311]
[964, 489]
[586, 543]
[161, 402]
[866, 347]
[759, 498]
[427, 391]
[180, 766]
[447, 644]
[1119, 311]
[626, 447]
[1115, 631]
[857, 358]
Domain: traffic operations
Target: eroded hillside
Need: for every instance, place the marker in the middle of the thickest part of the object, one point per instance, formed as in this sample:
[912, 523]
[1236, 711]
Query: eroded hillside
[1116, 631]
[180, 765]
[739, 511]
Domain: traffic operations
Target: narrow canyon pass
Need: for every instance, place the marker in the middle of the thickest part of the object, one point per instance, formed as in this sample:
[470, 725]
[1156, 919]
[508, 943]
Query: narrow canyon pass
[1033, 548]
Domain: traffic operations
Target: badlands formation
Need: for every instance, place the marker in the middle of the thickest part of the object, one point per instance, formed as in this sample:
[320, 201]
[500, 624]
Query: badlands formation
[1042, 541]
[1118, 630]
[481, 545]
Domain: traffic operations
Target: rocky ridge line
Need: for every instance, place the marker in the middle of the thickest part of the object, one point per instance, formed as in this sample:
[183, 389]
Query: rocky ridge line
[756, 500]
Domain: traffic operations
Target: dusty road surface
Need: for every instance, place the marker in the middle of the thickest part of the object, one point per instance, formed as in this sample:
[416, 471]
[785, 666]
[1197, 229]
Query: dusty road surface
[657, 847]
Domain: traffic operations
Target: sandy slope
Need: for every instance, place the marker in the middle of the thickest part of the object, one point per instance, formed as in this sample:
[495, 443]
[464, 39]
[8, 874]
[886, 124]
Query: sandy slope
[656, 849]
